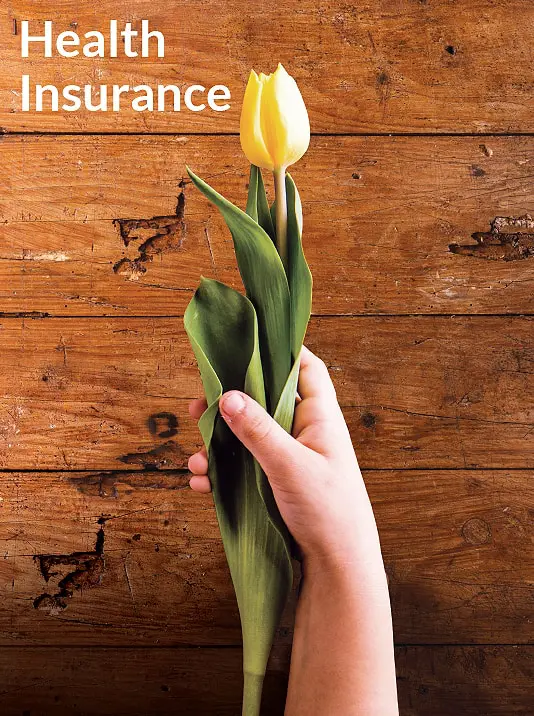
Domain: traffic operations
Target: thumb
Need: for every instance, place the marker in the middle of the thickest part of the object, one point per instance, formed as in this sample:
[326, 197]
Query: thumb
[279, 454]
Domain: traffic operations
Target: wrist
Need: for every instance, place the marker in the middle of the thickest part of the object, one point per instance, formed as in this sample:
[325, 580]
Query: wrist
[346, 564]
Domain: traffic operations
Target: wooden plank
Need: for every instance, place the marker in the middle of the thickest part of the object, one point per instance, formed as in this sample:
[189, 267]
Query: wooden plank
[446, 681]
[417, 67]
[432, 681]
[96, 393]
[97, 682]
[151, 560]
[457, 547]
[380, 216]
[135, 559]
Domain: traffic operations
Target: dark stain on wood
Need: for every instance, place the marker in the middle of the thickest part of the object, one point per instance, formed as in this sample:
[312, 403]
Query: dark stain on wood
[105, 484]
[383, 87]
[477, 171]
[164, 424]
[168, 455]
[368, 420]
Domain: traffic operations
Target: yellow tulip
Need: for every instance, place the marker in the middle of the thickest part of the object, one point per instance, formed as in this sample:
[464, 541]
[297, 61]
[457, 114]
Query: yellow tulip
[274, 127]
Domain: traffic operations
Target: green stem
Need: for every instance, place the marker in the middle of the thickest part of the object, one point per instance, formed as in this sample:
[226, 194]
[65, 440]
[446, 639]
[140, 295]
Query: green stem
[252, 688]
[281, 213]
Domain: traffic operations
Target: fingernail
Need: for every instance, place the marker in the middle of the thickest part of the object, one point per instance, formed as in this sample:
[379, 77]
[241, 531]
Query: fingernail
[231, 404]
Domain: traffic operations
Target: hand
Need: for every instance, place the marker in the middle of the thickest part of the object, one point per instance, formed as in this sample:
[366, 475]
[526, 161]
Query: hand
[342, 655]
[314, 473]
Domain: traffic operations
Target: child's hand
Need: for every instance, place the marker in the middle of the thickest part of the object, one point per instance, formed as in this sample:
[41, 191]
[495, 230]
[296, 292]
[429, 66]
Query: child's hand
[314, 475]
[342, 656]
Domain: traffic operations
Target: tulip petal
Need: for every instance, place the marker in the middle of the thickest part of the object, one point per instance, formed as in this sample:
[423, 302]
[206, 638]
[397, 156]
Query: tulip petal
[252, 141]
[285, 125]
[257, 204]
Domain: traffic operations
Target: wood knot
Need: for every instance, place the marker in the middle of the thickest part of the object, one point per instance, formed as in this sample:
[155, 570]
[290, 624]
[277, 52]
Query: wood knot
[477, 171]
[368, 420]
[476, 531]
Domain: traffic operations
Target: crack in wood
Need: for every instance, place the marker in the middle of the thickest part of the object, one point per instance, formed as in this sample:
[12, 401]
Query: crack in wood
[158, 234]
[88, 572]
[25, 314]
[500, 244]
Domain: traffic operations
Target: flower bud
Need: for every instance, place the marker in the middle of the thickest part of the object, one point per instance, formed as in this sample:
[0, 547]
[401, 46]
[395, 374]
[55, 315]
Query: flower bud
[274, 127]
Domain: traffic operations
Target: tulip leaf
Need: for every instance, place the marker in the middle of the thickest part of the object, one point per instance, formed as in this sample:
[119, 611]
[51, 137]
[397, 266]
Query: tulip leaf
[256, 541]
[266, 286]
[252, 343]
[257, 204]
[299, 274]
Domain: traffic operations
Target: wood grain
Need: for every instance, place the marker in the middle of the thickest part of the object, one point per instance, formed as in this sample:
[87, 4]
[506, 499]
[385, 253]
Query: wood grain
[458, 551]
[136, 559]
[416, 67]
[443, 681]
[91, 682]
[98, 393]
[116, 597]
[433, 681]
[381, 214]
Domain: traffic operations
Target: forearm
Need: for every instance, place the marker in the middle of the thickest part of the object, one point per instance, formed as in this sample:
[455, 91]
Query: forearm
[342, 660]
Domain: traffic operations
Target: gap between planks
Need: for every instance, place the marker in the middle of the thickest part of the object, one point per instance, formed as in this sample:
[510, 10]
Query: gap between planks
[183, 471]
[178, 647]
[5, 132]
[43, 315]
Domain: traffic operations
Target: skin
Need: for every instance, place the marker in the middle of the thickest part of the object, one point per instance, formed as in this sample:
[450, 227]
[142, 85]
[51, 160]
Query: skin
[342, 659]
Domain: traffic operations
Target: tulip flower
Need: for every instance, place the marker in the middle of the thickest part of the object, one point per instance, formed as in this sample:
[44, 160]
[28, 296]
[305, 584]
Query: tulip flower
[274, 127]
[275, 133]
[252, 342]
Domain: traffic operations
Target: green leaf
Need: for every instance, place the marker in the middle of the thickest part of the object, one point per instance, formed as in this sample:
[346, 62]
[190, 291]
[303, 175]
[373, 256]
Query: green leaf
[257, 204]
[232, 338]
[222, 327]
[266, 286]
[299, 274]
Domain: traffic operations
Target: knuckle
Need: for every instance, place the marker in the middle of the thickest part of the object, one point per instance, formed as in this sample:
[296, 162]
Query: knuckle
[321, 366]
[259, 428]
[324, 374]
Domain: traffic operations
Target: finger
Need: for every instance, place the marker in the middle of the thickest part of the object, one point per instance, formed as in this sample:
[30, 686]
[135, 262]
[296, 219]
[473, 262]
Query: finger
[198, 463]
[314, 378]
[200, 483]
[279, 454]
[197, 407]
[319, 402]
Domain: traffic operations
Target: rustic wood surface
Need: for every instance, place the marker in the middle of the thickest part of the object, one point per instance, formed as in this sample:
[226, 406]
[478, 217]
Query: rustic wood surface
[102, 393]
[408, 66]
[432, 681]
[105, 226]
[126, 558]
[116, 597]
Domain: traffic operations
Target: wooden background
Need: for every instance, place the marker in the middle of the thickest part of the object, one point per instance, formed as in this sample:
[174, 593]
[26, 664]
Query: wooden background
[115, 594]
